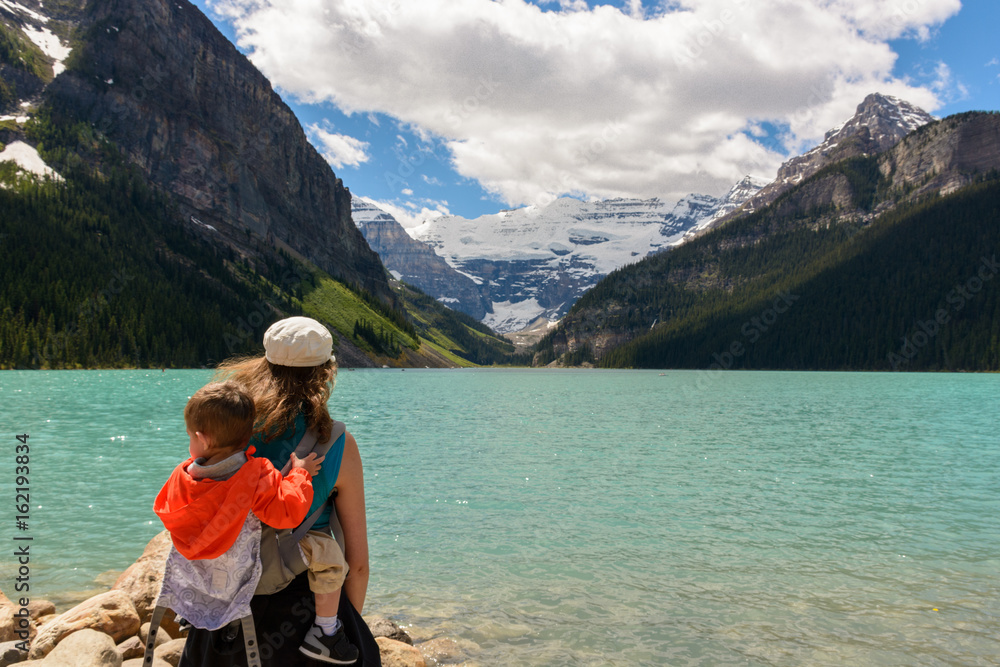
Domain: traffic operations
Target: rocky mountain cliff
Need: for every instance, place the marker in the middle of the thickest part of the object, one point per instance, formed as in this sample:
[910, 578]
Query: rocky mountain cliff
[416, 263]
[160, 81]
[162, 205]
[944, 156]
[514, 267]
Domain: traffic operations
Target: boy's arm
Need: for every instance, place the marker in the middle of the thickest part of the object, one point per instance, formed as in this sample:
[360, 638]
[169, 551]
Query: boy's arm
[282, 502]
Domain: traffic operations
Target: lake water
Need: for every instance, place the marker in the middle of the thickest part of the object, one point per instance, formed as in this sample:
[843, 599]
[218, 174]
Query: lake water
[593, 517]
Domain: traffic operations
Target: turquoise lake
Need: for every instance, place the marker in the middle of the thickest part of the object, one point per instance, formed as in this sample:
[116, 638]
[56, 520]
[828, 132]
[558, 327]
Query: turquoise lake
[592, 517]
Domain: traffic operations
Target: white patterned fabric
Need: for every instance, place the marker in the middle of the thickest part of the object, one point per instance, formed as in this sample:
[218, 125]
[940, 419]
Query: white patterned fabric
[213, 592]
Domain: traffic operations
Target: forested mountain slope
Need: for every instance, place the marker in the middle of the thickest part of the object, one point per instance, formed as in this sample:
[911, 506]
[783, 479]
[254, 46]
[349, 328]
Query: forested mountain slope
[841, 271]
[160, 205]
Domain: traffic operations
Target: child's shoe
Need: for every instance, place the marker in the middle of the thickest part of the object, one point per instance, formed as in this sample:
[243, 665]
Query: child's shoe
[334, 649]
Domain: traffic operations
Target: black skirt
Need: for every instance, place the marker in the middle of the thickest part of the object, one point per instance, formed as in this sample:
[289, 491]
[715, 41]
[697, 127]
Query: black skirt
[281, 621]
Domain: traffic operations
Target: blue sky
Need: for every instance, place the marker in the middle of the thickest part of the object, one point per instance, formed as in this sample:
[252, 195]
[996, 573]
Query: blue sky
[471, 106]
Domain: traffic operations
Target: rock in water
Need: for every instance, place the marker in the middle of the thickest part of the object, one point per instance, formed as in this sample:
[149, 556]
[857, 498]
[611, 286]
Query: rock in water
[381, 626]
[441, 651]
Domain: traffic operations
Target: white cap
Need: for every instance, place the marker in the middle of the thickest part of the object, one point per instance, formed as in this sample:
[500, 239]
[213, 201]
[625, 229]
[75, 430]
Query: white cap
[298, 342]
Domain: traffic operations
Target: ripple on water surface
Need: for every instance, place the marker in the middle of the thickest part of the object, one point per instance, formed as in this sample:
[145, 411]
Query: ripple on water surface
[595, 518]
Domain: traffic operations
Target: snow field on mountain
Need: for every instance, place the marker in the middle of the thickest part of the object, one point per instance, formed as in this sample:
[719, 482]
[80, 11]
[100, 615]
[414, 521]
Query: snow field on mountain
[28, 159]
[604, 235]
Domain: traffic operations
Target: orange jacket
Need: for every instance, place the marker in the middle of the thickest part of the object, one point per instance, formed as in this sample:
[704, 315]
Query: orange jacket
[205, 516]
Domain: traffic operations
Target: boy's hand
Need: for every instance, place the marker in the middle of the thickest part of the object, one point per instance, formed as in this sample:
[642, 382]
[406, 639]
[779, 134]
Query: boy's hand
[311, 463]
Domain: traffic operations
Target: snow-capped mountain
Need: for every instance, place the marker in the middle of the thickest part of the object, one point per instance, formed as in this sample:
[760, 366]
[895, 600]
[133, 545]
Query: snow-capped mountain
[414, 262]
[880, 122]
[536, 262]
[738, 195]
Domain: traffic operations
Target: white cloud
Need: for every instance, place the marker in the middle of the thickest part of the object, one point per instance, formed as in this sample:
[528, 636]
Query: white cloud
[945, 85]
[339, 150]
[597, 102]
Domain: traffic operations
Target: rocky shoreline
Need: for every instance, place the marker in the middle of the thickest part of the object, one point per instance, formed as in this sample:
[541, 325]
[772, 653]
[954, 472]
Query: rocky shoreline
[110, 628]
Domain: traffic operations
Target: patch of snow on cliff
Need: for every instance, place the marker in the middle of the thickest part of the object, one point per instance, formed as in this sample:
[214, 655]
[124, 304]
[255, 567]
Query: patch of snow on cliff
[513, 316]
[50, 46]
[202, 224]
[28, 159]
[14, 8]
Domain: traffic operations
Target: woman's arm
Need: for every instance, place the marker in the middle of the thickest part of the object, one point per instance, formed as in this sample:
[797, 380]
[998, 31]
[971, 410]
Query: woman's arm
[350, 504]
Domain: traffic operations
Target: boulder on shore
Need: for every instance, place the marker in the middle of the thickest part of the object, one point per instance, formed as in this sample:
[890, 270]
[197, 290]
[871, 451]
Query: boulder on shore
[170, 652]
[83, 648]
[142, 580]
[39, 609]
[137, 662]
[131, 648]
[10, 654]
[9, 624]
[398, 654]
[111, 613]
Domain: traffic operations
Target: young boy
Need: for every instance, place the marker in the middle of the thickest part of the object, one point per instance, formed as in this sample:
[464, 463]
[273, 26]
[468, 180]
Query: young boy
[207, 498]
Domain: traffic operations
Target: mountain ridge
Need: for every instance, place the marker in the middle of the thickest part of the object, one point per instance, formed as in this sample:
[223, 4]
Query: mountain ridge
[510, 268]
[878, 124]
[808, 229]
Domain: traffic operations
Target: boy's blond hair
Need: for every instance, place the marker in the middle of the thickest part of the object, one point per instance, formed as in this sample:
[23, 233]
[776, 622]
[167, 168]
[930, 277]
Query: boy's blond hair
[224, 412]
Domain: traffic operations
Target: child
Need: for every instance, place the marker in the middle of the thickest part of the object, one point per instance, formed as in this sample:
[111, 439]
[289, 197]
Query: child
[205, 503]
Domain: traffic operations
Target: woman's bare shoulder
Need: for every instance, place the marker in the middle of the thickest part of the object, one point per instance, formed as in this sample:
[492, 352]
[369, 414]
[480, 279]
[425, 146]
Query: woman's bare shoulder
[350, 464]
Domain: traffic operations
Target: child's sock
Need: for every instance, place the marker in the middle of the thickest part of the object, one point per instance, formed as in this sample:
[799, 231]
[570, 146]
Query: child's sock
[328, 624]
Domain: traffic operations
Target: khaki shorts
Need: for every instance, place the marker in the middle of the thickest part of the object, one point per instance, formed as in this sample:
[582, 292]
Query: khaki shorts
[327, 567]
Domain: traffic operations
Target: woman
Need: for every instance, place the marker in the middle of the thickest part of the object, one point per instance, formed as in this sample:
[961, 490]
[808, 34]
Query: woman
[291, 385]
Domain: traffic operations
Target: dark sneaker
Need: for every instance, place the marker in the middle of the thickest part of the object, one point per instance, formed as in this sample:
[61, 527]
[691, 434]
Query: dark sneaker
[334, 649]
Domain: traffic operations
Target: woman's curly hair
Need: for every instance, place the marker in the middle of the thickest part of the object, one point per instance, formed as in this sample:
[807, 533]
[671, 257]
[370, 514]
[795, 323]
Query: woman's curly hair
[281, 393]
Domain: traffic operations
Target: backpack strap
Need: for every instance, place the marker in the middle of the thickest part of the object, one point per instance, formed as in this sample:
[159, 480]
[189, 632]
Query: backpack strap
[249, 638]
[289, 548]
[154, 625]
[307, 445]
[250, 641]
